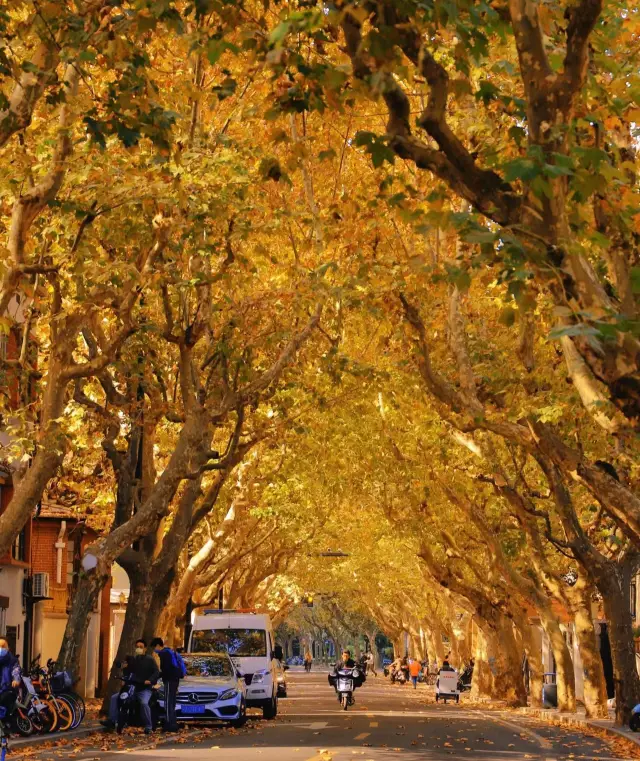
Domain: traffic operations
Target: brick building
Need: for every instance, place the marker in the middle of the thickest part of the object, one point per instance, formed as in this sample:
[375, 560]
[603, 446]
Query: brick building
[58, 538]
[14, 566]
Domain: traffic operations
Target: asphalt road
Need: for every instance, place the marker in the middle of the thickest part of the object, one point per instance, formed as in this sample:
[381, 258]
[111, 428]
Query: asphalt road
[387, 722]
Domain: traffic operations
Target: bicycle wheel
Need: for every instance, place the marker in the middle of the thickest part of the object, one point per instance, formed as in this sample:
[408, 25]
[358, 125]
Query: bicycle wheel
[22, 723]
[43, 716]
[79, 702]
[65, 713]
[78, 710]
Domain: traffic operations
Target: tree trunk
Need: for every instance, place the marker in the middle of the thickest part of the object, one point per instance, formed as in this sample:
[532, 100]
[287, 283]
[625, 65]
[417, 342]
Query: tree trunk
[531, 644]
[140, 594]
[438, 644]
[565, 674]
[505, 661]
[482, 683]
[85, 599]
[595, 688]
[623, 654]
[159, 599]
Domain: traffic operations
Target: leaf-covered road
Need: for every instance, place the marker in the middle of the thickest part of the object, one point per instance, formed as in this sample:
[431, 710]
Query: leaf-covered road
[386, 722]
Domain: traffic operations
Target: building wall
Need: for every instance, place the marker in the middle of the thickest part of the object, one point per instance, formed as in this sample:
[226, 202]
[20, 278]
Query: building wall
[51, 615]
[12, 574]
[12, 617]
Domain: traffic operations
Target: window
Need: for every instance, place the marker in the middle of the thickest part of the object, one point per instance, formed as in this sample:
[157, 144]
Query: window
[632, 599]
[19, 550]
[70, 549]
[208, 665]
[251, 643]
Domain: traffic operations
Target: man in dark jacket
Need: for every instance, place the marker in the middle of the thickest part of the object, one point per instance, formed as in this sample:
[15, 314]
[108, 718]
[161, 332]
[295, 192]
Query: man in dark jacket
[10, 676]
[171, 675]
[142, 671]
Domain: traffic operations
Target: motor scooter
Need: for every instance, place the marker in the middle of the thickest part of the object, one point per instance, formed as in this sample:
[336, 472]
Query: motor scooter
[346, 679]
[129, 707]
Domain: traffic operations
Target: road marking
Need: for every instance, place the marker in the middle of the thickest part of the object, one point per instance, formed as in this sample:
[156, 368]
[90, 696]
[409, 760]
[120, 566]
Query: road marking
[521, 729]
[373, 723]
[362, 735]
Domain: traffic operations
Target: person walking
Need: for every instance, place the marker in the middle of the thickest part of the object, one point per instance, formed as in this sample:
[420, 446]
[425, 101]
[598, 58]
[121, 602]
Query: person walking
[172, 671]
[371, 664]
[415, 667]
[308, 660]
[10, 676]
[142, 671]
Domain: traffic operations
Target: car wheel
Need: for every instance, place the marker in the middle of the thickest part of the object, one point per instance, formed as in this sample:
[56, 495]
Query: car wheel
[270, 711]
[242, 719]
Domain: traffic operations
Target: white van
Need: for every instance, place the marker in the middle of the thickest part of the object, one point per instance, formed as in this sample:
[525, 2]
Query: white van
[248, 638]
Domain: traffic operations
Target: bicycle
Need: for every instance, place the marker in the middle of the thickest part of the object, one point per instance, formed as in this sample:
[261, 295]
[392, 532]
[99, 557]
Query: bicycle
[63, 710]
[15, 720]
[41, 713]
[61, 684]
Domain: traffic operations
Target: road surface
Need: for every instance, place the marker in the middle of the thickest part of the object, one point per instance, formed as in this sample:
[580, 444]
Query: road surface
[388, 723]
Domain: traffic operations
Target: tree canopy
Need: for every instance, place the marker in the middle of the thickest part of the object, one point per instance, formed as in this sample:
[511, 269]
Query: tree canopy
[282, 280]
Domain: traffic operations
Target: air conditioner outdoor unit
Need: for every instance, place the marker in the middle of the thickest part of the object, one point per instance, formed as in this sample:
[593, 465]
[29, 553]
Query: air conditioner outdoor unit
[41, 585]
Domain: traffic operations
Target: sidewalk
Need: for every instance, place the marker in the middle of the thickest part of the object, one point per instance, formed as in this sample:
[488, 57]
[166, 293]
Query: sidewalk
[86, 728]
[579, 719]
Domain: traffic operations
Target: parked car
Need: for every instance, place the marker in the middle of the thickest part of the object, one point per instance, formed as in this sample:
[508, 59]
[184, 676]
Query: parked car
[212, 690]
[281, 679]
[295, 660]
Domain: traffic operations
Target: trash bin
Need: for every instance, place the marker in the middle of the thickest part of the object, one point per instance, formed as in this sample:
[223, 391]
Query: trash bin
[549, 691]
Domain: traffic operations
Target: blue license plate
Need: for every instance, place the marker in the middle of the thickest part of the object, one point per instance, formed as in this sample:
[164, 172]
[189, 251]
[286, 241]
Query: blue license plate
[193, 709]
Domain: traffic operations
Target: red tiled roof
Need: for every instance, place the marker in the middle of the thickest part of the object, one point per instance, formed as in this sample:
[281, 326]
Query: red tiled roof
[53, 510]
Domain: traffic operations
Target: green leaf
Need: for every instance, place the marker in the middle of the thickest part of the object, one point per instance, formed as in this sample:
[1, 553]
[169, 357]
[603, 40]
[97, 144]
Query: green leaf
[280, 32]
[521, 169]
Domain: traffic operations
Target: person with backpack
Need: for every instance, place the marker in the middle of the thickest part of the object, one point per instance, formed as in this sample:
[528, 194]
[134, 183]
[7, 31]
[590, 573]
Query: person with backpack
[172, 669]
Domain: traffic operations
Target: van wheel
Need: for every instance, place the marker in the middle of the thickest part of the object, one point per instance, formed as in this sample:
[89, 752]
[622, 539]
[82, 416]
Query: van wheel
[270, 711]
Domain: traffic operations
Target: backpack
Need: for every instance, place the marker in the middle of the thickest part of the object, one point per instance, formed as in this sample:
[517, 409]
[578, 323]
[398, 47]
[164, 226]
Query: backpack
[178, 663]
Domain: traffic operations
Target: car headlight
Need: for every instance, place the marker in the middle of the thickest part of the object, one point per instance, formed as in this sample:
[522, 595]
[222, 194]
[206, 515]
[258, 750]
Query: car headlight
[229, 695]
[259, 676]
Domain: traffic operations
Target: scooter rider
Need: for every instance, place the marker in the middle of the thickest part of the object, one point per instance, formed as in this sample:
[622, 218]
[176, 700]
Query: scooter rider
[142, 671]
[345, 662]
[10, 676]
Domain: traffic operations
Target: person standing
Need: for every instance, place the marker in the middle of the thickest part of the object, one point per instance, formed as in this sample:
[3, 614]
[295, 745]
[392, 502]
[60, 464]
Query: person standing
[371, 664]
[172, 673]
[10, 676]
[415, 667]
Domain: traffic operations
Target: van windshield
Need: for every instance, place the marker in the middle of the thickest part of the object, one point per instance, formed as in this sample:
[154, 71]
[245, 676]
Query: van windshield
[247, 643]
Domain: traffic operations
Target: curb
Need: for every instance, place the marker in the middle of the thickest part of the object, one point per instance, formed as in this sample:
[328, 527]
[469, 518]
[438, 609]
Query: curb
[605, 725]
[36, 740]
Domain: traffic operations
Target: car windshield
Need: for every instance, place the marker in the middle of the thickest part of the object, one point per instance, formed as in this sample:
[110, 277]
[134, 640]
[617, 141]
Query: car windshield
[208, 665]
[238, 642]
